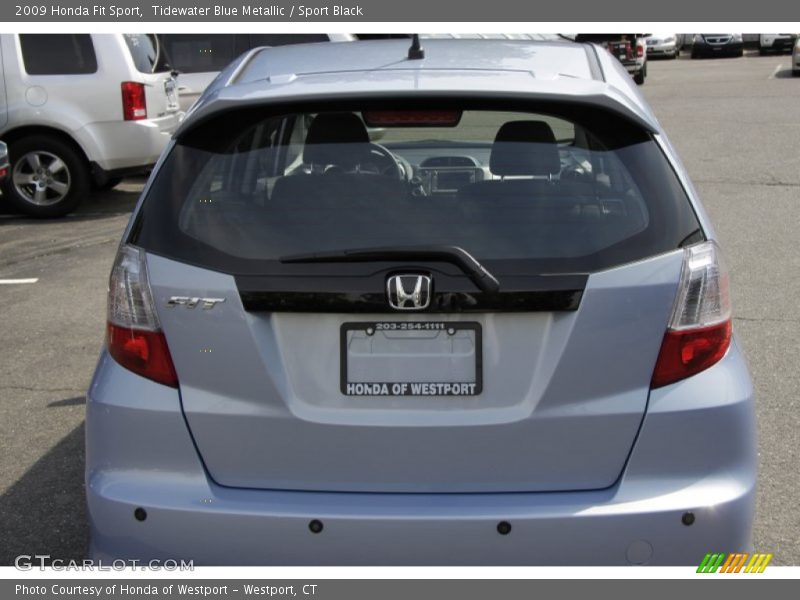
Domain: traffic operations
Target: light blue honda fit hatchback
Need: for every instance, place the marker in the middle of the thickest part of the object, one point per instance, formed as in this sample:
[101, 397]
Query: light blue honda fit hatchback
[455, 306]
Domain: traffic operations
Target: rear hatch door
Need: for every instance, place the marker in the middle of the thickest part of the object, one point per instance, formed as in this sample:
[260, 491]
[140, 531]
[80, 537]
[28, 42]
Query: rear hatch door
[307, 375]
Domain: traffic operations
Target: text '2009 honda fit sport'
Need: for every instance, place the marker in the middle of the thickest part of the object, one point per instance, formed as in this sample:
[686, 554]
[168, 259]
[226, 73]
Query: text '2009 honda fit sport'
[460, 309]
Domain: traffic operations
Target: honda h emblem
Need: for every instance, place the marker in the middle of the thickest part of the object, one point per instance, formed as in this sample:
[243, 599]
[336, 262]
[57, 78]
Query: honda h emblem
[409, 292]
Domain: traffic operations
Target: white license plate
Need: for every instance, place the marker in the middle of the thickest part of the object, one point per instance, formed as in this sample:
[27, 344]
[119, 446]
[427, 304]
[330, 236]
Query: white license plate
[411, 358]
[172, 95]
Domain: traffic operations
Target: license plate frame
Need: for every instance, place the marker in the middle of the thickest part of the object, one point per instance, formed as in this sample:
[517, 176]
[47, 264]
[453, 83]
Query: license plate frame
[409, 388]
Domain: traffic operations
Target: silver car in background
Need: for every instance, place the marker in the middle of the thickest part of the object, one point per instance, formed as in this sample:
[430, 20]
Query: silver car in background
[500, 335]
[796, 58]
[665, 44]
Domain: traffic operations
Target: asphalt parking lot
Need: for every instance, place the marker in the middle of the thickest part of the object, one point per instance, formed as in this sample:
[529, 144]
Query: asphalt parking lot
[736, 125]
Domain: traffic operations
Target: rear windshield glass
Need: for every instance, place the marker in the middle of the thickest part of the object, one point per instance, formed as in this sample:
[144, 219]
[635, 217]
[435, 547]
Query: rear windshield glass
[561, 190]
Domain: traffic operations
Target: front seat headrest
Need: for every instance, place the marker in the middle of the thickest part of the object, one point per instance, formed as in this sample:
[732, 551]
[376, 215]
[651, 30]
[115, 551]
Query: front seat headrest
[336, 139]
[525, 148]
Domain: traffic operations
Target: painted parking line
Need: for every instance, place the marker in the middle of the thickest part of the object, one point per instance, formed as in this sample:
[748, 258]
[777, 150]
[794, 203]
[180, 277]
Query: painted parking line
[776, 71]
[18, 281]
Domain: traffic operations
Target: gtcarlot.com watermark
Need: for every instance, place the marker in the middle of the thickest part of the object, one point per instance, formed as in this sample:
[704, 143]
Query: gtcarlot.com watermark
[28, 562]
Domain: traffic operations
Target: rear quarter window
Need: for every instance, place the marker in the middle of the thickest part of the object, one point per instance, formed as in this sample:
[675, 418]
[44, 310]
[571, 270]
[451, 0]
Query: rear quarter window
[146, 52]
[58, 54]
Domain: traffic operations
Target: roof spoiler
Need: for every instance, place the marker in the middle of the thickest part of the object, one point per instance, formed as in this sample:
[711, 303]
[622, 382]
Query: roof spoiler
[213, 107]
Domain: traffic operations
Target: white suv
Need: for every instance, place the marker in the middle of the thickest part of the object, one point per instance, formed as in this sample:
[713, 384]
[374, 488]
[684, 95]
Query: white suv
[80, 111]
[199, 57]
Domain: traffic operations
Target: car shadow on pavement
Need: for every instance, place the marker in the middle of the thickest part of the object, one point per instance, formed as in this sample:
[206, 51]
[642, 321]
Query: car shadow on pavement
[785, 74]
[44, 512]
[77, 401]
[121, 199]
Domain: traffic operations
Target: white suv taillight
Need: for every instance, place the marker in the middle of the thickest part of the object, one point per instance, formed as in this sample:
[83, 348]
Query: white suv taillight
[699, 330]
[134, 335]
[134, 102]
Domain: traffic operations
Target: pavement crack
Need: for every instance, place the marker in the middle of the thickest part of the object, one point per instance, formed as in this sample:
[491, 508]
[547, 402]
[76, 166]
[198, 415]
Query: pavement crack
[766, 320]
[30, 388]
[750, 183]
[61, 249]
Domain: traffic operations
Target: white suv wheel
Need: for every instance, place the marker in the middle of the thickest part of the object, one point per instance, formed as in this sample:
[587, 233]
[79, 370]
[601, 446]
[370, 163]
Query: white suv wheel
[41, 178]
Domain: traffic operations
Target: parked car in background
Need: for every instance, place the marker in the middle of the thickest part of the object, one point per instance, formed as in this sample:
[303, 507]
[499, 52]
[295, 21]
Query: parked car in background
[4, 165]
[796, 58]
[80, 111]
[662, 45]
[776, 42]
[717, 44]
[502, 335]
[628, 48]
[537, 37]
[199, 57]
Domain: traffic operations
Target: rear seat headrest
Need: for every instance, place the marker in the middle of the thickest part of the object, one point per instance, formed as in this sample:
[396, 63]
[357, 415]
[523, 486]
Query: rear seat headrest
[335, 139]
[525, 148]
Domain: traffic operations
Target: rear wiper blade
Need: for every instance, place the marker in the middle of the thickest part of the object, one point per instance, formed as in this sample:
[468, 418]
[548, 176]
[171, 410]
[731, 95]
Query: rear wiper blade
[454, 255]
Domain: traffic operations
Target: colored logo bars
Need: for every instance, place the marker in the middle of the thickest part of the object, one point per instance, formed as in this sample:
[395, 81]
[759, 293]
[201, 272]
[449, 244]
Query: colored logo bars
[734, 563]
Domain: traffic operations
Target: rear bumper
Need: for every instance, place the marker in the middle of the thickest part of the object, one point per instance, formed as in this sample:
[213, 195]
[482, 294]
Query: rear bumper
[126, 145]
[695, 453]
[633, 66]
[777, 43]
[705, 49]
[662, 49]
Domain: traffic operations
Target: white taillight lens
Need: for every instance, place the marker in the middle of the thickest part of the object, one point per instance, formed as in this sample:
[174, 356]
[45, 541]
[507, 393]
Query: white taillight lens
[703, 293]
[130, 303]
[134, 337]
[699, 331]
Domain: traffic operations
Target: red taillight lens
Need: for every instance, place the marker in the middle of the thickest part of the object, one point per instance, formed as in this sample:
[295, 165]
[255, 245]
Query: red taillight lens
[686, 353]
[134, 104]
[143, 352]
[134, 336]
[639, 50]
[699, 330]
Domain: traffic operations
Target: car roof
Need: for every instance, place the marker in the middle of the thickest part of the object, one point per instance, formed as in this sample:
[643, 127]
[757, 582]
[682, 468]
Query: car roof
[501, 55]
[514, 69]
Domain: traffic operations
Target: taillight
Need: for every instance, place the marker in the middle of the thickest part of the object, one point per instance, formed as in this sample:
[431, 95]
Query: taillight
[699, 331]
[134, 104]
[134, 336]
[639, 50]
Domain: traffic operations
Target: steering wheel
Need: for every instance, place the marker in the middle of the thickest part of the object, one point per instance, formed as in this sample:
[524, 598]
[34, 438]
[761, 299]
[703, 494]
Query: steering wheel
[385, 163]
